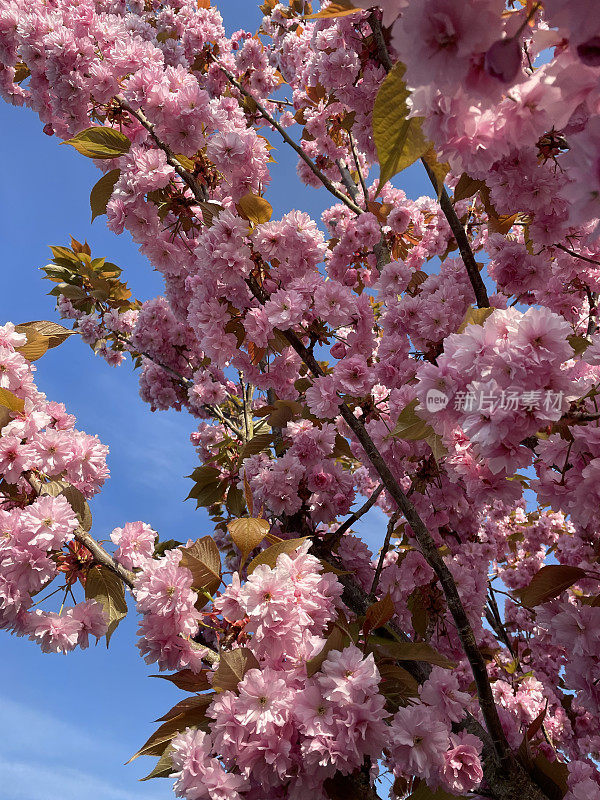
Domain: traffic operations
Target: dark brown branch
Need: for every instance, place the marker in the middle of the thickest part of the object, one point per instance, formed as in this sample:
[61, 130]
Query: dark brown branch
[359, 171]
[383, 554]
[198, 191]
[462, 240]
[347, 180]
[593, 306]
[381, 47]
[101, 556]
[428, 549]
[577, 255]
[333, 539]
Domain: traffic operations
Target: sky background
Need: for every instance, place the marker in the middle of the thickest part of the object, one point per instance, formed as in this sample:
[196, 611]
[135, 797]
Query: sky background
[69, 723]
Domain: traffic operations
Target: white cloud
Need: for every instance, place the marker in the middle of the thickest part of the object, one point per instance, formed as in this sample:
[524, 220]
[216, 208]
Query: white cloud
[64, 761]
[37, 781]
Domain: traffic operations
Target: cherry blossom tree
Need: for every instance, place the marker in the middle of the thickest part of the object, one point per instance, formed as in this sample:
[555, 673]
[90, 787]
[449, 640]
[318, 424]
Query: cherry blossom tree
[437, 358]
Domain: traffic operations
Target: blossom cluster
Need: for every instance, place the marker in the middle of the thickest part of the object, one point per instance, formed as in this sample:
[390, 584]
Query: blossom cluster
[267, 326]
[37, 532]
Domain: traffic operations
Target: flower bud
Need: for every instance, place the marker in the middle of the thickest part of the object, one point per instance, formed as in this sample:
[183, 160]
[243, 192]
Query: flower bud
[503, 60]
[339, 350]
[589, 52]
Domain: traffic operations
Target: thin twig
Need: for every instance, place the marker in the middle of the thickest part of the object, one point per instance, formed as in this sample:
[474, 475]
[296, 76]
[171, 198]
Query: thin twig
[383, 554]
[333, 539]
[361, 177]
[428, 549]
[199, 192]
[457, 229]
[577, 255]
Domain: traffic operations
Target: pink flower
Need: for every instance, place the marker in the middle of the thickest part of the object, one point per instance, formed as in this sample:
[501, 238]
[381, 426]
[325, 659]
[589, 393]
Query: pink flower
[352, 375]
[462, 771]
[441, 691]
[50, 522]
[54, 633]
[263, 700]
[15, 458]
[438, 38]
[163, 587]
[348, 676]
[92, 618]
[53, 450]
[198, 775]
[322, 397]
[135, 544]
[503, 59]
[418, 741]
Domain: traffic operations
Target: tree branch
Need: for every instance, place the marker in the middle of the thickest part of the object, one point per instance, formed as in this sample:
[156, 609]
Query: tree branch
[577, 255]
[288, 140]
[384, 551]
[198, 191]
[462, 240]
[428, 549]
[333, 539]
[457, 229]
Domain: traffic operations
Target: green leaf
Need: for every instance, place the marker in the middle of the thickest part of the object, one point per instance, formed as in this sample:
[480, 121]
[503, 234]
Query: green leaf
[378, 614]
[467, 187]
[79, 505]
[192, 715]
[53, 488]
[100, 142]
[410, 426]
[399, 140]
[35, 346]
[204, 562]
[337, 8]
[169, 544]
[552, 776]
[419, 613]
[105, 587]
[102, 192]
[55, 333]
[208, 487]
[475, 316]
[187, 680]
[164, 768]
[11, 401]
[413, 651]
[338, 639]
[235, 501]
[434, 441]
[254, 208]
[233, 665]
[579, 344]
[423, 792]
[270, 555]
[247, 533]
[397, 684]
[4, 416]
[188, 705]
[257, 444]
[550, 582]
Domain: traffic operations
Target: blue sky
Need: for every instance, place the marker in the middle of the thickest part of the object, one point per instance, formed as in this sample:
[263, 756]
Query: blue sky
[70, 722]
